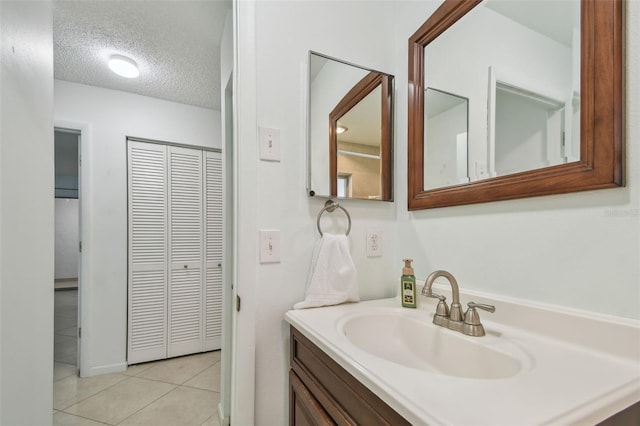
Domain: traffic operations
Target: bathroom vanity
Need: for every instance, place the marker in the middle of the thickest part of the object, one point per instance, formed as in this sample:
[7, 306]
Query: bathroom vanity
[323, 392]
[376, 363]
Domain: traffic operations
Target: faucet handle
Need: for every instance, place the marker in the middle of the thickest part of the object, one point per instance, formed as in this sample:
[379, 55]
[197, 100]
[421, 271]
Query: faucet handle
[435, 296]
[442, 309]
[472, 325]
[471, 317]
[484, 307]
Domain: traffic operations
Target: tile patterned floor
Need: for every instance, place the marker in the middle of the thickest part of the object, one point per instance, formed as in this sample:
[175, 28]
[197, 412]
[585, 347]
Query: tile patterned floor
[65, 325]
[182, 391]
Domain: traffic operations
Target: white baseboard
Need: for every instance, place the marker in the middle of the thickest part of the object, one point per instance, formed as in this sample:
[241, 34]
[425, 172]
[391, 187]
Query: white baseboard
[224, 420]
[106, 369]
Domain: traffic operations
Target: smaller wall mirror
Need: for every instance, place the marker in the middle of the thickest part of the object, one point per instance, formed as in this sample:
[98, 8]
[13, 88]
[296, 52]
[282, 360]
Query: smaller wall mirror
[446, 127]
[349, 130]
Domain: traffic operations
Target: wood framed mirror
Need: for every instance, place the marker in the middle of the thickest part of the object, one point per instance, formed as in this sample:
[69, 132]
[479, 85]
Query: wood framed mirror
[600, 108]
[350, 131]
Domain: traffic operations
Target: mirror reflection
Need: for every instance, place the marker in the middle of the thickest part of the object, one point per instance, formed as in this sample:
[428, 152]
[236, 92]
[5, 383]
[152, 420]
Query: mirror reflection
[518, 63]
[350, 132]
[358, 149]
[529, 131]
[445, 122]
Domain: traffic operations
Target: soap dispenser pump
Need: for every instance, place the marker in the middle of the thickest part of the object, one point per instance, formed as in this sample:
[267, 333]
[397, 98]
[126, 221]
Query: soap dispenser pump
[408, 285]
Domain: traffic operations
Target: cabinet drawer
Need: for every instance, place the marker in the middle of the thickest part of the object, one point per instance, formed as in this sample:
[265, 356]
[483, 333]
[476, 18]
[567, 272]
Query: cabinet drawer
[344, 398]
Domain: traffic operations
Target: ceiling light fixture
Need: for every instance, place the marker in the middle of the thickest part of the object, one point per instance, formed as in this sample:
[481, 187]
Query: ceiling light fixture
[123, 66]
[341, 129]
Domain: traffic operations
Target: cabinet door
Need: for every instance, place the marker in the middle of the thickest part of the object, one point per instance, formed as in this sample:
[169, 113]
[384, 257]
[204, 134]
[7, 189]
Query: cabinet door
[346, 400]
[213, 250]
[147, 298]
[304, 409]
[185, 330]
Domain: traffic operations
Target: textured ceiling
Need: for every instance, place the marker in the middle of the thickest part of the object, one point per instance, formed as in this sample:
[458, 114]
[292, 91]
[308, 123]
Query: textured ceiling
[176, 45]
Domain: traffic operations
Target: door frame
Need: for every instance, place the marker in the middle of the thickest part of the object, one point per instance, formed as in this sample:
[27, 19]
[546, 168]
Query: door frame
[84, 236]
[228, 253]
[245, 159]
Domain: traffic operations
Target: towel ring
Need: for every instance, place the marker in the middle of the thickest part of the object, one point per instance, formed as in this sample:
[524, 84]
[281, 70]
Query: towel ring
[330, 206]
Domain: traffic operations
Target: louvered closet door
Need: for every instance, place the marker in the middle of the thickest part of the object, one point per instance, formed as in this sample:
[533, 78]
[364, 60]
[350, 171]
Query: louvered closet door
[185, 330]
[213, 250]
[147, 180]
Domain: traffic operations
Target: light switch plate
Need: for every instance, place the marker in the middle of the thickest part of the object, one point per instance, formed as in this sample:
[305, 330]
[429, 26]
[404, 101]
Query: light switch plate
[269, 144]
[269, 245]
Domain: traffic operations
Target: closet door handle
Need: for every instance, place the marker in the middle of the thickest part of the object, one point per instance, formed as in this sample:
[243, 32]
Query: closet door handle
[186, 266]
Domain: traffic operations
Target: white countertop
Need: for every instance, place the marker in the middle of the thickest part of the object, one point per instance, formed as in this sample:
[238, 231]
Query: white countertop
[580, 372]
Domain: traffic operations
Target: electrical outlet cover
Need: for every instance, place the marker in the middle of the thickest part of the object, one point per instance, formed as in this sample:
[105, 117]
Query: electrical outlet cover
[374, 243]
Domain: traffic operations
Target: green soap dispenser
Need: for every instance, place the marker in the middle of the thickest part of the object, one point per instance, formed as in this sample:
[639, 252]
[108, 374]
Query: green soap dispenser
[408, 285]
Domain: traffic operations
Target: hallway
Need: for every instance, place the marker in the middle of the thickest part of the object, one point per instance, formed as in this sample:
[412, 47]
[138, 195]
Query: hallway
[182, 391]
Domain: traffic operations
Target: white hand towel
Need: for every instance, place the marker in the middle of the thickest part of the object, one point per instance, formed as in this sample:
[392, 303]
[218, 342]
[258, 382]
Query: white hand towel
[332, 277]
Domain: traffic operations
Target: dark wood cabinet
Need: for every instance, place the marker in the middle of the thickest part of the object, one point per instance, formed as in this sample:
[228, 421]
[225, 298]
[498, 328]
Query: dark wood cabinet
[304, 407]
[628, 417]
[321, 392]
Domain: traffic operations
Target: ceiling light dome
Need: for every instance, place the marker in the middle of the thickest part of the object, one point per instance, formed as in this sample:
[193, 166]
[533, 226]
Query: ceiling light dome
[341, 129]
[124, 66]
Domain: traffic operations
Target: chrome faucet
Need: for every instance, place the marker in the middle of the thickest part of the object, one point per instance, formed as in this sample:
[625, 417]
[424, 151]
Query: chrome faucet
[453, 318]
[455, 313]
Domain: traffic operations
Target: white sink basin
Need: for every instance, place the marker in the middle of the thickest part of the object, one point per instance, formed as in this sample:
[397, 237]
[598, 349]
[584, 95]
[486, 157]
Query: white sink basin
[417, 343]
[536, 365]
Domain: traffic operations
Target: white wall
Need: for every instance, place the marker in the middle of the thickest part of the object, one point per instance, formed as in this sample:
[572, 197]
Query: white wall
[26, 213]
[524, 134]
[66, 238]
[441, 156]
[577, 250]
[111, 116]
[284, 33]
